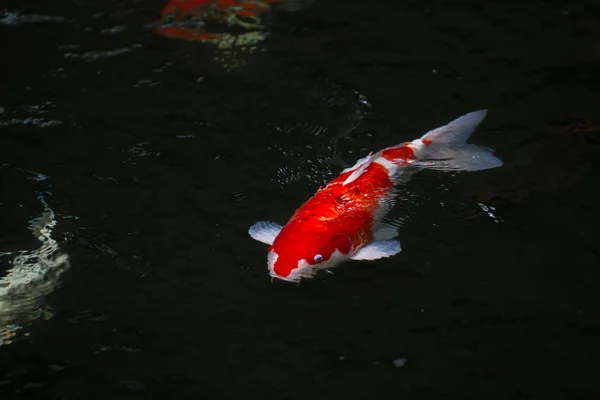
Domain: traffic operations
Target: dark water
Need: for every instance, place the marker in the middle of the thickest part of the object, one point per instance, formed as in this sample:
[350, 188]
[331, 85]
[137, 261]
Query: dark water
[146, 159]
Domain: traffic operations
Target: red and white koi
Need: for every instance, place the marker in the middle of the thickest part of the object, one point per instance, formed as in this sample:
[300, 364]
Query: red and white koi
[189, 19]
[344, 220]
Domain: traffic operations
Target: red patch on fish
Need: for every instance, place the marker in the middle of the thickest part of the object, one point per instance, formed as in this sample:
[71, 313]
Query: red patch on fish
[399, 155]
[246, 13]
[179, 16]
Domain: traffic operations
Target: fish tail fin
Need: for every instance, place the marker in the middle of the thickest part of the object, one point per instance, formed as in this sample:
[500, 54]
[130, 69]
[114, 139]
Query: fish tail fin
[446, 148]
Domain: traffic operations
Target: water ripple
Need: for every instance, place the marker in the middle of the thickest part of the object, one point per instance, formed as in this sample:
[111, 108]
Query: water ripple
[40, 122]
[16, 18]
[490, 212]
[33, 274]
[38, 109]
[100, 54]
[114, 30]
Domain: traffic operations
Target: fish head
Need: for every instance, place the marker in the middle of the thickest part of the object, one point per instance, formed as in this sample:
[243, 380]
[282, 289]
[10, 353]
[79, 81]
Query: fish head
[299, 253]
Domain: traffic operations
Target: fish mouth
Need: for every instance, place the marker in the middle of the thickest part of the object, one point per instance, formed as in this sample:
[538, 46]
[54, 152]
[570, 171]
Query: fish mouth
[285, 278]
[297, 274]
[304, 270]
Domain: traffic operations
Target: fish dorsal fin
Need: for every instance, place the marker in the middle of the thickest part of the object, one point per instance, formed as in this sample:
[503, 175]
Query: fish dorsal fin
[265, 231]
[378, 249]
[360, 166]
[358, 163]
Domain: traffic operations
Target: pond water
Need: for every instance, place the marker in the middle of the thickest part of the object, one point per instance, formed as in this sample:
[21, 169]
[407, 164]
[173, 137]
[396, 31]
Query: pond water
[134, 158]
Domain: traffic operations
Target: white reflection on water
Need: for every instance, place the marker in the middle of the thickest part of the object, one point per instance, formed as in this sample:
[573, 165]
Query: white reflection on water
[490, 212]
[41, 122]
[17, 18]
[37, 109]
[100, 54]
[33, 275]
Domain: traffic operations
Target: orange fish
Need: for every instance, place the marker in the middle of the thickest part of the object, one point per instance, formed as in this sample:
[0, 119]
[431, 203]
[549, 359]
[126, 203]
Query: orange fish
[344, 220]
[187, 19]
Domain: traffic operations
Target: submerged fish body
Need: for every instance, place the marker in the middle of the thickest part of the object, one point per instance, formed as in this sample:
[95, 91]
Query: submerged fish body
[344, 220]
[196, 20]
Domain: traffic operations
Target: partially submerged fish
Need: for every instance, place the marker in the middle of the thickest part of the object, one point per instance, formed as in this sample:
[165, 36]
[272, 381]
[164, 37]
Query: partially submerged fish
[189, 19]
[344, 220]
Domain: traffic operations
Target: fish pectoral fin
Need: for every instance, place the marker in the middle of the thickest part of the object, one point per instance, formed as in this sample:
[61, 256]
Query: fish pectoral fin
[386, 232]
[377, 249]
[265, 231]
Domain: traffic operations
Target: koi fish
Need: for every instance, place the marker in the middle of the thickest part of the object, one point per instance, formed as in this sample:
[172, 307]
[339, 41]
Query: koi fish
[344, 220]
[189, 19]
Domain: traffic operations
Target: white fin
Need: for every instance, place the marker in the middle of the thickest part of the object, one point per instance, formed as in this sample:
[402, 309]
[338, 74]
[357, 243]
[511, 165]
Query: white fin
[449, 151]
[379, 249]
[466, 158]
[264, 231]
[385, 232]
[358, 163]
[354, 176]
[457, 132]
[360, 166]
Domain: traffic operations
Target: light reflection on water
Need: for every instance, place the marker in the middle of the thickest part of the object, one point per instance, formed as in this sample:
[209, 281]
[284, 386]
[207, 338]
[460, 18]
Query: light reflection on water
[32, 274]
[100, 54]
[29, 115]
[17, 18]
[307, 151]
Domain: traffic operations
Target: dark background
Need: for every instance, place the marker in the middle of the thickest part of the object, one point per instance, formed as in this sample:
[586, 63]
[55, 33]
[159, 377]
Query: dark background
[167, 157]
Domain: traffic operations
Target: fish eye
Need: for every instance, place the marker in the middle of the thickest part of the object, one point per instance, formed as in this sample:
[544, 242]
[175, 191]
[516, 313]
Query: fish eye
[318, 258]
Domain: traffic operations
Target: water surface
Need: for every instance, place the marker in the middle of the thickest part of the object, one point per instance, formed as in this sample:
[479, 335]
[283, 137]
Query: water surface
[144, 159]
